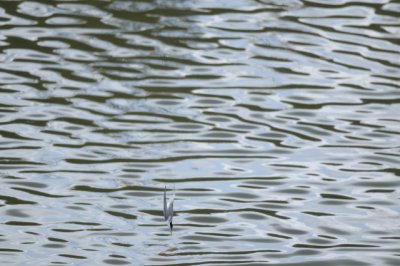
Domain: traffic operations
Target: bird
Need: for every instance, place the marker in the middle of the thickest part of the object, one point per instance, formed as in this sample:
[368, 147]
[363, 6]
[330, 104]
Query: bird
[169, 208]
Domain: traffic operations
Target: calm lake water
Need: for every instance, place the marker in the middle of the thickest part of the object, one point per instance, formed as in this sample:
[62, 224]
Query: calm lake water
[276, 121]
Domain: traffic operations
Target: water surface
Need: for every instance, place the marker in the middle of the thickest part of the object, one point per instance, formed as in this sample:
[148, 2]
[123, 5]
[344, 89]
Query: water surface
[276, 121]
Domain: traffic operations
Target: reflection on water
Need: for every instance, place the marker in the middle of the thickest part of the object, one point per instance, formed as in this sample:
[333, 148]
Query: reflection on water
[277, 121]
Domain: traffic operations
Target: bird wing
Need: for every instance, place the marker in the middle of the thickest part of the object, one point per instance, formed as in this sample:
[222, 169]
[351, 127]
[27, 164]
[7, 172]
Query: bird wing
[170, 209]
[165, 203]
[171, 212]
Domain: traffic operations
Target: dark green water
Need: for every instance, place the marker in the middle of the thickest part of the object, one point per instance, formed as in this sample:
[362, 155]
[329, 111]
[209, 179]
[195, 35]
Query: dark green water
[277, 122]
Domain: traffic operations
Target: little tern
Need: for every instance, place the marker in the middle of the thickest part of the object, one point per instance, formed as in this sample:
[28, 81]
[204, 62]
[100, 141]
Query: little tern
[169, 208]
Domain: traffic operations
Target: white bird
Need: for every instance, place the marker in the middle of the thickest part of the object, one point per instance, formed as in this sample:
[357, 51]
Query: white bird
[169, 208]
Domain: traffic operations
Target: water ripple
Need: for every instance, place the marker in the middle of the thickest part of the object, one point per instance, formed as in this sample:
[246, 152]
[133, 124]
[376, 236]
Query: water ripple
[276, 121]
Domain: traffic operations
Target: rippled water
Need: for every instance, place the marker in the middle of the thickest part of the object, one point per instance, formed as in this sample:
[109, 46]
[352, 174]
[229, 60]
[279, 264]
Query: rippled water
[277, 122]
